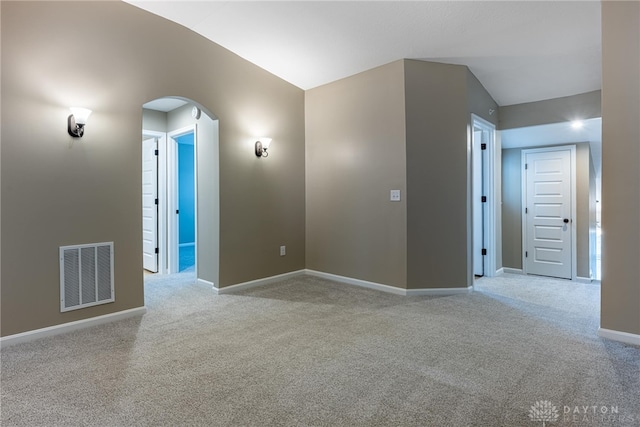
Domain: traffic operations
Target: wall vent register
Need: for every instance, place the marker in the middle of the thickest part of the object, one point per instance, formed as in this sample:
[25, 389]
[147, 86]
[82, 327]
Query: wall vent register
[86, 275]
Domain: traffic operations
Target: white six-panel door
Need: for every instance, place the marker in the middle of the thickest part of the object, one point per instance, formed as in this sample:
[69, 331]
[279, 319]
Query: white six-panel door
[149, 205]
[548, 228]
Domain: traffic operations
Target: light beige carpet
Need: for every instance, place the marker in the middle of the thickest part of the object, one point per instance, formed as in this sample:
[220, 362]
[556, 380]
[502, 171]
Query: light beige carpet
[310, 352]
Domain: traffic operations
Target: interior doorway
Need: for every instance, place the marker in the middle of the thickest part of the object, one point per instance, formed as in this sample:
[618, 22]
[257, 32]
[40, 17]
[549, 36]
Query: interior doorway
[186, 149]
[484, 197]
[182, 199]
[586, 137]
[549, 211]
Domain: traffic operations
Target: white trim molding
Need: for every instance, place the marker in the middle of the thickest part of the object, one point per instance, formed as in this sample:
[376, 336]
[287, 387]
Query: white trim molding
[254, 283]
[357, 282]
[340, 279]
[206, 282]
[438, 291]
[624, 337]
[387, 288]
[70, 326]
[512, 270]
[584, 280]
[491, 191]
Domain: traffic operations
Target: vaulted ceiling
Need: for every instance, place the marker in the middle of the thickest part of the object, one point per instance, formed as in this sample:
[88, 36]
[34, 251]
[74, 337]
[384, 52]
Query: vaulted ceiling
[521, 51]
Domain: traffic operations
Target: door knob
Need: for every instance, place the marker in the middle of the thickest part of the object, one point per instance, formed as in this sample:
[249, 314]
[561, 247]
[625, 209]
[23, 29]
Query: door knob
[566, 220]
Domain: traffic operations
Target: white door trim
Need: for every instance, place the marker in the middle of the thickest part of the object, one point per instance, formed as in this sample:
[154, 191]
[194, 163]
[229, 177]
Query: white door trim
[162, 200]
[574, 237]
[490, 192]
[172, 157]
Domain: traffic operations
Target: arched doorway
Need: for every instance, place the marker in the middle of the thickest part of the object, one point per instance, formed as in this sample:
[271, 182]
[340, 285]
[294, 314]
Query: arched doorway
[181, 206]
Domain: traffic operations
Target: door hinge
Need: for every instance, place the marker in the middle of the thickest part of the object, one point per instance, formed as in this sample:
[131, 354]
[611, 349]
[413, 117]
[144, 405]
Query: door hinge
[484, 251]
[526, 166]
[483, 146]
[177, 211]
[156, 201]
[526, 210]
[484, 199]
[157, 250]
[155, 152]
[526, 254]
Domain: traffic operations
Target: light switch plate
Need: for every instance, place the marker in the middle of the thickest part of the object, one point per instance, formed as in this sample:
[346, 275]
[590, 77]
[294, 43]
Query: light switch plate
[394, 196]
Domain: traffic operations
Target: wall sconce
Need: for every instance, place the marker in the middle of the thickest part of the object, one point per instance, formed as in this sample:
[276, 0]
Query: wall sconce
[76, 121]
[261, 147]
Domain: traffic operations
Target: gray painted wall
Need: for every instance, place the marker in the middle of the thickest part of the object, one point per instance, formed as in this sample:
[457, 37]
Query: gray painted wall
[400, 126]
[583, 106]
[154, 120]
[58, 191]
[87, 199]
[512, 208]
[620, 172]
[437, 117]
[355, 141]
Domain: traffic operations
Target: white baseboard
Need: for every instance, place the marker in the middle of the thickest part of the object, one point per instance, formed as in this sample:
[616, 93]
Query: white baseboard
[70, 326]
[206, 282]
[586, 280]
[438, 291]
[500, 271]
[357, 282]
[512, 270]
[258, 282]
[341, 279]
[624, 337]
[387, 288]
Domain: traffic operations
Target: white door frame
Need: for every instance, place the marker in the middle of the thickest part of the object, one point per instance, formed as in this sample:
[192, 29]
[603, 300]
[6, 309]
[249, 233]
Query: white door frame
[477, 206]
[490, 191]
[172, 193]
[574, 217]
[162, 200]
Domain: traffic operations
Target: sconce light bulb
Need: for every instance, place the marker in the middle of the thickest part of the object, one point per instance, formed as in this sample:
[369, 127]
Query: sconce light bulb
[266, 142]
[80, 115]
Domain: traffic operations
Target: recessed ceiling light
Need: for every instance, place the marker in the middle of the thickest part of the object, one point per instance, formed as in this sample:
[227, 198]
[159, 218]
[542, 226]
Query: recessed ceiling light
[577, 124]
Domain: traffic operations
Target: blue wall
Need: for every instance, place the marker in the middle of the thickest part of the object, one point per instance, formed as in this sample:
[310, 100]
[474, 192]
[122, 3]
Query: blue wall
[186, 191]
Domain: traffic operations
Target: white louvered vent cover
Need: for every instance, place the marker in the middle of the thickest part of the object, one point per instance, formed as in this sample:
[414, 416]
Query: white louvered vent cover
[86, 275]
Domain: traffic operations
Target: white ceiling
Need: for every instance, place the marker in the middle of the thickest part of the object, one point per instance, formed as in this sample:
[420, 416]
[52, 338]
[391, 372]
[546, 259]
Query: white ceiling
[165, 104]
[521, 51]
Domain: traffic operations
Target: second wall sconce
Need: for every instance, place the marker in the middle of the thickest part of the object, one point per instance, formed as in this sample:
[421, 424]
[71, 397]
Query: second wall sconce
[262, 145]
[76, 121]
